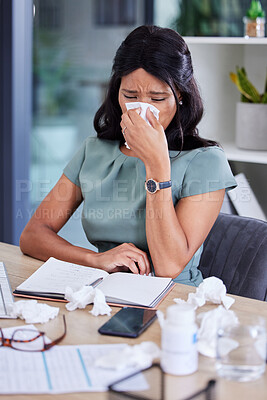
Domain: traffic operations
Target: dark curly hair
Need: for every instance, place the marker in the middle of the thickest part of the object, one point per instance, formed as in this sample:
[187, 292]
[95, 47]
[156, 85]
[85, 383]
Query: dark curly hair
[163, 53]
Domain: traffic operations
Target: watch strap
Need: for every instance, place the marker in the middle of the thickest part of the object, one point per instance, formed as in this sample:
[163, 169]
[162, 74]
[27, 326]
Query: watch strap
[165, 185]
[153, 186]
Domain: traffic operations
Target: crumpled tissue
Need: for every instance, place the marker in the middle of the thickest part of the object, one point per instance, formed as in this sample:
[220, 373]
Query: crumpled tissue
[34, 312]
[139, 356]
[144, 107]
[211, 289]
[161, 318]
[87, 295]
[210, 321]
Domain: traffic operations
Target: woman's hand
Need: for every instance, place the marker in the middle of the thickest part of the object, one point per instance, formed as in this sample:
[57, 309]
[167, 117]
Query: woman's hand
[123, 258]
[149, 143]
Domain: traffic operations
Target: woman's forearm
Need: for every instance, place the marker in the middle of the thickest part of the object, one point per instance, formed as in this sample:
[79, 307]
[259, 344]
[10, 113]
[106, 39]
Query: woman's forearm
[42, 242]
[166, 239]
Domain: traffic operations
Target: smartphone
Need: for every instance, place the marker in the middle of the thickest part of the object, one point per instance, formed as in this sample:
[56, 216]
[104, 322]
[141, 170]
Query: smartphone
[128, 322]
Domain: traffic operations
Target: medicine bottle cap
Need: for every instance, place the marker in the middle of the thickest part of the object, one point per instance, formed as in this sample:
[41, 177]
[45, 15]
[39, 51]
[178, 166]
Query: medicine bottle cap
[180, 314]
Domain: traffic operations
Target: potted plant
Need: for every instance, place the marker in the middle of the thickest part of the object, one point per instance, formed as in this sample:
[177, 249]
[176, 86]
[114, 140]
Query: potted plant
[254, 21]
[53, 100]
[251, 113]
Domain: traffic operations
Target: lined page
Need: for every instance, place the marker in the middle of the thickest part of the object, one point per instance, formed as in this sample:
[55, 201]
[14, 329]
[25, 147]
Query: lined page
[55, 275]
[132, 288]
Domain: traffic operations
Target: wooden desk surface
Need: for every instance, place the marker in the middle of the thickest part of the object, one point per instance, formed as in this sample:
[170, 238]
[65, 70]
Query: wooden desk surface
[82, 329]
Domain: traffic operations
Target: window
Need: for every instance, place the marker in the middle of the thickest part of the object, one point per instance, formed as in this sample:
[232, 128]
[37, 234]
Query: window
[115, 12]
[48, 14]
[72, 59]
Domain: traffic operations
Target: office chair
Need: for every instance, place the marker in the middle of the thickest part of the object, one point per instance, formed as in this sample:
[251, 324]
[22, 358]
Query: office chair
[236, 252]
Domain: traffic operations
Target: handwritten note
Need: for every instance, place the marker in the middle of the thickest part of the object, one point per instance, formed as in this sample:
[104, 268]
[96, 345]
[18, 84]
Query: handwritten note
[56, 275]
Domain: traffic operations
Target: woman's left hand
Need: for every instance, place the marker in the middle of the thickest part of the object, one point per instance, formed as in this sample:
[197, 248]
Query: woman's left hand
[149, 143]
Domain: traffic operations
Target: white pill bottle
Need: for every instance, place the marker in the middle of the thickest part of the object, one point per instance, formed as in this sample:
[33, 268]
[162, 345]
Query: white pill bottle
[179, 355]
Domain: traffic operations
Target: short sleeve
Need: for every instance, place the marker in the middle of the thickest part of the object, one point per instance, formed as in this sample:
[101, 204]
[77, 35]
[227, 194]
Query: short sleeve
[208, 171]
[72, 169]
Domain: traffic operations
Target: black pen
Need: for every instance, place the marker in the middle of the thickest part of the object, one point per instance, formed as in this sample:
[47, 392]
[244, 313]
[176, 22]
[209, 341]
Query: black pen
[95, 283]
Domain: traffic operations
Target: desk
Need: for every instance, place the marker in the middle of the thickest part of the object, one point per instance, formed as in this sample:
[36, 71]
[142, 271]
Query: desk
[82, 329]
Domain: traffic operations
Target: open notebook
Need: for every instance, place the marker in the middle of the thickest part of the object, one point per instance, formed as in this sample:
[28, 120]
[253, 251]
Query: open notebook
[120, 288]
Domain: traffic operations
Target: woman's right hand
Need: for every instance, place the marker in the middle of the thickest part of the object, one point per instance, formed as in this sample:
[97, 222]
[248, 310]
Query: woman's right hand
[123, 258]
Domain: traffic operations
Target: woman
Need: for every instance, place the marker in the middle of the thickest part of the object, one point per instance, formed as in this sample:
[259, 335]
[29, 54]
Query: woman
[134, 226]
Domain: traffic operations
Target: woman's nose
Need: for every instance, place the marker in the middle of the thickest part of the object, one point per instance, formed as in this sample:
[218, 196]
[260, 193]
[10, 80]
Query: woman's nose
[144, 99]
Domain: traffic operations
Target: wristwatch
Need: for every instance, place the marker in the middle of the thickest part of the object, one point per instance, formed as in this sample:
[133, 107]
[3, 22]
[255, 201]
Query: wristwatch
[153, 186]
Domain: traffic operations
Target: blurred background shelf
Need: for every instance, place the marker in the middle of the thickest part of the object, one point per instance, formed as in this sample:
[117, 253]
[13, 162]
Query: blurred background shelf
[233, 153]
[225, 40]
[213, 59]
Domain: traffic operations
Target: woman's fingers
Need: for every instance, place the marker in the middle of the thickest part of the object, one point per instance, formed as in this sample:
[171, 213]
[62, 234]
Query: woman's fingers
[134, 115]
[135, 262]
[127, 119]
[152, 119]
[143, 260]
[131, 118]
[133, 267]
[125, 255]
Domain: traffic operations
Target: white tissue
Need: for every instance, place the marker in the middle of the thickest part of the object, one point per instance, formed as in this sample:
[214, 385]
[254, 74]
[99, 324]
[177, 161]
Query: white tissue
[79, 298]
[87, 295]
[138, 356]
[207, 333]
[100, 306]
[161, 318]
[34, 312]
[144, 107]
[211, 289]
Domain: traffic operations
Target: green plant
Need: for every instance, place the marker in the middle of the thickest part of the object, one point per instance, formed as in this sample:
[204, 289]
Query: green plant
[52, 75]
[209, 18]
[255, 10]
[249, 94]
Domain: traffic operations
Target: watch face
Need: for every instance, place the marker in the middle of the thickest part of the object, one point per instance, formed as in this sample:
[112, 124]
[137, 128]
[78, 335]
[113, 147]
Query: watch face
[151, 186]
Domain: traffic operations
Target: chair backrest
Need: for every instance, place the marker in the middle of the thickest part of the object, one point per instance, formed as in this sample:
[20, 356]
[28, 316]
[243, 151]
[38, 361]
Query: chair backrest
[236, 252]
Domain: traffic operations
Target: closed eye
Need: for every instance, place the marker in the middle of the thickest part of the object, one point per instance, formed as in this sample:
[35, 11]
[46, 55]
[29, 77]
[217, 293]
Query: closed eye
[158, 99]
[129, 97]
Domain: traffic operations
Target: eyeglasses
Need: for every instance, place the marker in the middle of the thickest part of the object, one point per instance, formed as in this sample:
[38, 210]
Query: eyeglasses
[29, 339]
[155, 379]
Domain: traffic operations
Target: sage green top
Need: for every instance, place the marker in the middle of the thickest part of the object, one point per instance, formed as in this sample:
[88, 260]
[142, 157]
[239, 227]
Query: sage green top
[114, 193]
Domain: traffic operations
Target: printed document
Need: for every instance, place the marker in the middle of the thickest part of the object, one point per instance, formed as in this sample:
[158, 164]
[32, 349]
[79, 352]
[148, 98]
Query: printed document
[62, 369]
